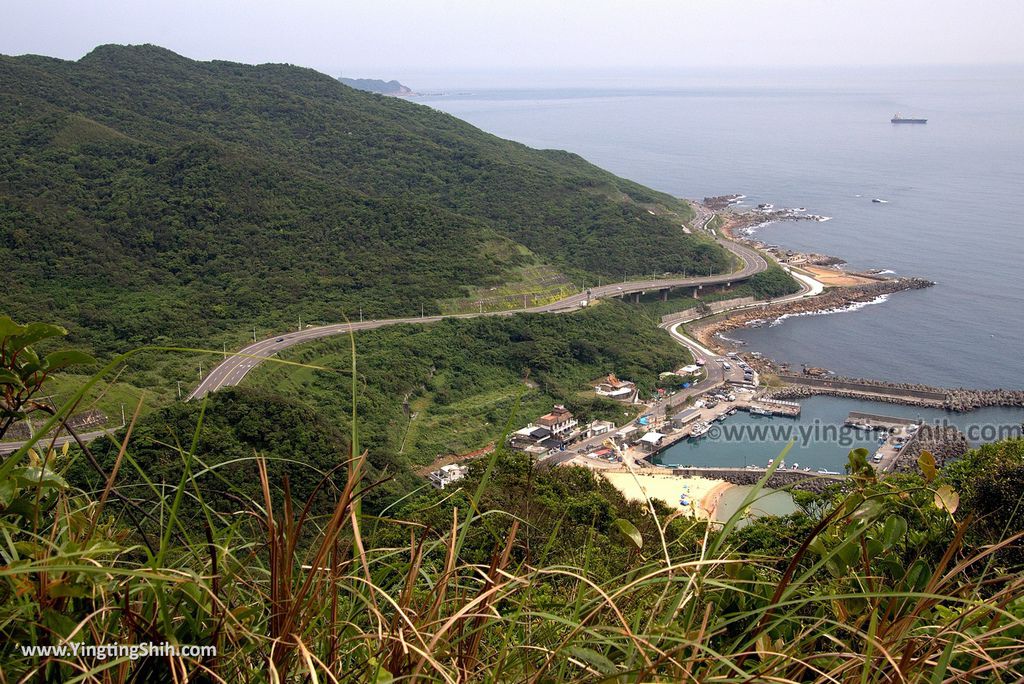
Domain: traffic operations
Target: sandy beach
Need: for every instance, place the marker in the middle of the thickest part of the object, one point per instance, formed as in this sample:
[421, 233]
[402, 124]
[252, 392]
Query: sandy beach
[702, 494]
[836, 278]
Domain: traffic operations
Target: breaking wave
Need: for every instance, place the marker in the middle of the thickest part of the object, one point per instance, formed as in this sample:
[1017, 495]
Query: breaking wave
[729, 339]
[855, 306]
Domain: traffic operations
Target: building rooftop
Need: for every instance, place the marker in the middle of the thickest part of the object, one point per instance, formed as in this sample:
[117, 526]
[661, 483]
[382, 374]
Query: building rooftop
[534, 432]
[559, 414]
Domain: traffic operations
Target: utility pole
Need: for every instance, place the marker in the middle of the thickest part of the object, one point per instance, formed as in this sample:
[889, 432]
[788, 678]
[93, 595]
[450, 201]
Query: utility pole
[421, 309]
[179, 389]
[300, 323]
[360, 314]
[200, 370]
[123, 421]
[254, 333]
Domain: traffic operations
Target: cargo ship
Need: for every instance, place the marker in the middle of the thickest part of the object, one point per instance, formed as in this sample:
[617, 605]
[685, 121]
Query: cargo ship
[899, 118]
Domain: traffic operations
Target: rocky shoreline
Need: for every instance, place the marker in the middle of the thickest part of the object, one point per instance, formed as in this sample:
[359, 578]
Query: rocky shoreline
[709, 332]
[719, 202]
[831, 300]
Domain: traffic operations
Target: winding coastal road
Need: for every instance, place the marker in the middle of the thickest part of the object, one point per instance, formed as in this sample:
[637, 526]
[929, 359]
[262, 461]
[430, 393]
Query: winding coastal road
[11, 447]
[234, 368]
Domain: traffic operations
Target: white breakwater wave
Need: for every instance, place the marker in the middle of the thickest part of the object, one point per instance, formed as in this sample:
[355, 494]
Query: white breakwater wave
[750, 230]
[793, 215]
[855, 306]
[730, 340]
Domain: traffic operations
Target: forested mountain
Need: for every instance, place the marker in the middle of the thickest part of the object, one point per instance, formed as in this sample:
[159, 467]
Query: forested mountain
[376, 85]
[145, 195]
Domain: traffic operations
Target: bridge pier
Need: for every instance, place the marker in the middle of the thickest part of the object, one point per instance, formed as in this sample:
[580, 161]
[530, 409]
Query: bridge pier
[636, 297]
[664, 294]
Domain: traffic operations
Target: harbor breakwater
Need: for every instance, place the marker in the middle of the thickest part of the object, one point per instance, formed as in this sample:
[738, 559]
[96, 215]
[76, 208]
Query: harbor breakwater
[780, 479]
[945, 442]
[960, 400]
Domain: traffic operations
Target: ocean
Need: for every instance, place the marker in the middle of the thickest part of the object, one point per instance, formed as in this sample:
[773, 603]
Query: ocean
[823, 140]
[820, 439]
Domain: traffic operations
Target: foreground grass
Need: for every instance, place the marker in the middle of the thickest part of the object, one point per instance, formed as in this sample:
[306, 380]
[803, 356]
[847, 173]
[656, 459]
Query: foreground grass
[880, 585]
[285, 595]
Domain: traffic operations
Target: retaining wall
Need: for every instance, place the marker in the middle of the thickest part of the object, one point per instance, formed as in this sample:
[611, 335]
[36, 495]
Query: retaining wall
[714, 307]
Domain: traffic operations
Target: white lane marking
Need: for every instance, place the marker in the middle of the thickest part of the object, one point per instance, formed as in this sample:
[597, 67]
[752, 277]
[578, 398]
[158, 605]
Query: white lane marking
[690, 342]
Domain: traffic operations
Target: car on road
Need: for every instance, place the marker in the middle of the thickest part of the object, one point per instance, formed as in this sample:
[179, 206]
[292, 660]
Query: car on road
[279, 339]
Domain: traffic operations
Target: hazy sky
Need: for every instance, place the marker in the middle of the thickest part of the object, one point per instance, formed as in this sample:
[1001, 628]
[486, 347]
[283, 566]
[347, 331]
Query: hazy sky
[395, 37]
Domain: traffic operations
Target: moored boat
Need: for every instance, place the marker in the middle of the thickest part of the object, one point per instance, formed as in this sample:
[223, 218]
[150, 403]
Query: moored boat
[699, 429]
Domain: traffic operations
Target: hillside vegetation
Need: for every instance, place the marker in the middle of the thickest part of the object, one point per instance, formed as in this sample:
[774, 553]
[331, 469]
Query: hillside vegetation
[238, 524]
[452, 387]
[145, 196]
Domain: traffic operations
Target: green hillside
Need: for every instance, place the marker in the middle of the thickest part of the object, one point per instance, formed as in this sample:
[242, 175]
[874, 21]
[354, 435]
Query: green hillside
[251, 527]
[145, 196]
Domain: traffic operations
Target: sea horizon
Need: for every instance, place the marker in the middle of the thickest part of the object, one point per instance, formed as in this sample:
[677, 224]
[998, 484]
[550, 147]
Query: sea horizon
[949, 187]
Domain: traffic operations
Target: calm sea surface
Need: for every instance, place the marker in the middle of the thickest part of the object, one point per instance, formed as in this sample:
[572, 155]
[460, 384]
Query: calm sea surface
[824, 142]
[821, 440]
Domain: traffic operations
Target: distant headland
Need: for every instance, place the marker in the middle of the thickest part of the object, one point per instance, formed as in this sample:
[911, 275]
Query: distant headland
[376, 85]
